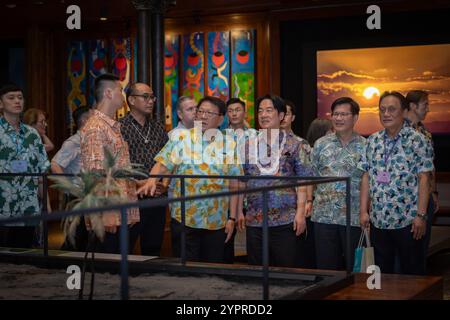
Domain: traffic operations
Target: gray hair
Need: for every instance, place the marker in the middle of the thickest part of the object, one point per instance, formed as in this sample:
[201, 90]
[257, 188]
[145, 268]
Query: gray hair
[181, 100]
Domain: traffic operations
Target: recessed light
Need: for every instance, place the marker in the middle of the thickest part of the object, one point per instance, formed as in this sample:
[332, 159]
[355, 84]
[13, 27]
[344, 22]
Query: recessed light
[103, 18]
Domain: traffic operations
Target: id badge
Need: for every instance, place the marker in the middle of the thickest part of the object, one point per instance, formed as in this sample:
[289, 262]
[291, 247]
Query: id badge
[19, 166]
[383, 177]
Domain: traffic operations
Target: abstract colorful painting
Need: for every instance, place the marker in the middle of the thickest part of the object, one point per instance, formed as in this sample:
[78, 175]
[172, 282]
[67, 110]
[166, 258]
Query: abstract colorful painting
[218, 70]
[243, 70]
[76, 77]
[97, 62]
[193, 65]
[364, 74]
[171, 79]
[121, 65]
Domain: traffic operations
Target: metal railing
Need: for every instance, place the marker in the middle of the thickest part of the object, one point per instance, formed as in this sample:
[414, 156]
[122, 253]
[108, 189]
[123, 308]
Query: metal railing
[124, 240]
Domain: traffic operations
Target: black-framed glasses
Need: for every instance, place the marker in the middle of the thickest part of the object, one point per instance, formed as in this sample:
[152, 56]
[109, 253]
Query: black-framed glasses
[208, 114]
[146, 96]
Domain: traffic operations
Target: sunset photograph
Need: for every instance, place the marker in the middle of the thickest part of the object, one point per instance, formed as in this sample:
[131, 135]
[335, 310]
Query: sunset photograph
[364, 74]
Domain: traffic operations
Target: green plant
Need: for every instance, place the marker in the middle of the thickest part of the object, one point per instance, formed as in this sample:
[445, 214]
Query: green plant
[94, 189]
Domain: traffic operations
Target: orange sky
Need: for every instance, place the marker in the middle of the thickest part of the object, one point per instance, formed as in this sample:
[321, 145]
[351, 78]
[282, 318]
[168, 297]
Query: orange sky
[349, 72]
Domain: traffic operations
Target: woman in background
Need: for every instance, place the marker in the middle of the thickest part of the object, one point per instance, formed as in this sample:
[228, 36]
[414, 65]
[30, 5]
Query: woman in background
[317, 129]
[38, 120]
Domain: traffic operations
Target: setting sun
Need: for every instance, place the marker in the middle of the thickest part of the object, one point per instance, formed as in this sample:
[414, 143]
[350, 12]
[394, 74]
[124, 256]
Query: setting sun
[370, 91]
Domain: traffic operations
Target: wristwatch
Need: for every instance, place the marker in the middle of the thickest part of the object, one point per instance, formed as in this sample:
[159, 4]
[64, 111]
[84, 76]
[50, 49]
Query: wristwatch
[422, 215]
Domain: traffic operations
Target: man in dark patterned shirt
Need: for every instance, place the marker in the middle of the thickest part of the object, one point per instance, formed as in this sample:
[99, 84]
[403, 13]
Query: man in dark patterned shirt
[146, 137]
[418, 109]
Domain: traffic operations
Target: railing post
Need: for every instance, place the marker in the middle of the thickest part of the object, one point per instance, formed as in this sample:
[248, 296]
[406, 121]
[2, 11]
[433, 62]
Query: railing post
[265, 248]
[44, 213]
[183, 223]
[124, 254]
[348, 225]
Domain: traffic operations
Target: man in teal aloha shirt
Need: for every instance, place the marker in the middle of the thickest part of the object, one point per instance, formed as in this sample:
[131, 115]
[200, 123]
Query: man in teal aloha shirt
[337, 155]
[397, 164]
[21, 151]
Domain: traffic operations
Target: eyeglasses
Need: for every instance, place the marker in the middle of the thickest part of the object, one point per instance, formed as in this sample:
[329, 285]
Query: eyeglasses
[146, 96]
[208, 114]
[341, 114]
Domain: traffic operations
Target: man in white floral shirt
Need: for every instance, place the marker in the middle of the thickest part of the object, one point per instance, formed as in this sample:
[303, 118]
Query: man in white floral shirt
[397, 164]
[21, 151]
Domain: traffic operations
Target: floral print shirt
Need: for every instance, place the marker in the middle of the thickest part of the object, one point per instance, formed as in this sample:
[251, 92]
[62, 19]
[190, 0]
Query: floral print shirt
[19, 195]
[282, 203]
[98, 132]
[187, 154]
[330, 158]
[394, 203]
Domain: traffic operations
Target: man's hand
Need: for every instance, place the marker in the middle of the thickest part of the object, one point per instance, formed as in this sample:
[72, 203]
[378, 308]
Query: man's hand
[299, 224]
[364, 220]
[146, 187]
[229, 229]
[241, 221]
[308, 208]
[160, 189]
[436, 202]
[418, 228]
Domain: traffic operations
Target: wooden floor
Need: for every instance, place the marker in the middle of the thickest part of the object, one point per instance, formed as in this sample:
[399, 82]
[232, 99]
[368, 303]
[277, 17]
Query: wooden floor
[393, 287]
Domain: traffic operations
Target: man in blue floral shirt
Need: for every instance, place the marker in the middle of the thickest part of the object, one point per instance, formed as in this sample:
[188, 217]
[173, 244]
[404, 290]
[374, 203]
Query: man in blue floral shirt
[397, 165]
[337, 155]
[21, 151]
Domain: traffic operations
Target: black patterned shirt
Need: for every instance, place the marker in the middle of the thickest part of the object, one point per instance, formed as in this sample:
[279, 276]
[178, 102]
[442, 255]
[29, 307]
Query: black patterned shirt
[145, 141]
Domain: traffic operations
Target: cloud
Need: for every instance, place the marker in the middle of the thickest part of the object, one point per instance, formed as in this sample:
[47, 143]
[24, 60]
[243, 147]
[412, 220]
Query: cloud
[427, 77]
[344, 76]
[428, 73]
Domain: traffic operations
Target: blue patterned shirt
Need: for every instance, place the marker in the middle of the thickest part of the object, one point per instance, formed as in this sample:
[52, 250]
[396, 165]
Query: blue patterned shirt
[394, 204]
[330, 158]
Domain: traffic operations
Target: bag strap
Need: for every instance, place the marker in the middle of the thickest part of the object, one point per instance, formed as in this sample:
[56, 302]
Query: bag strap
[361, 239]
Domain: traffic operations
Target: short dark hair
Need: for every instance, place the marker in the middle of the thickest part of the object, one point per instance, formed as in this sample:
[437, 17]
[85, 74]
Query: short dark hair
[77, 113]
[235, 100]
[317, 129]
[130, 90]
[277, 101]
[354, 106]
[99, 84]
[215, 101]
[9, 87]
[403, 102]
[290, 104]
[415, 96]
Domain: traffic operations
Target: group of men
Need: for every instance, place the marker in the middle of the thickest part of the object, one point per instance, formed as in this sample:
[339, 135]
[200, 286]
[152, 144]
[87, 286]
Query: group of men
[393, 190]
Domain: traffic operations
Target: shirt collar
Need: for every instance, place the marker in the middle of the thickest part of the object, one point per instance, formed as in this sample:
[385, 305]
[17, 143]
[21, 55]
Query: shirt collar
[111, 122]
[403, 131]
[9, 128]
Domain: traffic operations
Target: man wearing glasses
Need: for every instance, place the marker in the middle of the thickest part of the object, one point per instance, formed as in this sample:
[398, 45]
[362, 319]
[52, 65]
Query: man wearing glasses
[337, 155]
[208, 225]
[146, 137]
[397, 165]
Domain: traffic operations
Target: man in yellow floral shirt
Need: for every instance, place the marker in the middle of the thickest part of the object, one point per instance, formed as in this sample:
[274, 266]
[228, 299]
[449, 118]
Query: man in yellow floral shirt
[208, 226]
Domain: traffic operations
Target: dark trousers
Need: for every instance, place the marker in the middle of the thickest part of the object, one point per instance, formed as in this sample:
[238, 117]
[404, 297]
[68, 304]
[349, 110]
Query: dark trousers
[389, 242]
[111, 242]
[282, 245]
[228, 256]
[16, 237]
[306, 251]
[331, 242]
[153, 220]
[201, 244]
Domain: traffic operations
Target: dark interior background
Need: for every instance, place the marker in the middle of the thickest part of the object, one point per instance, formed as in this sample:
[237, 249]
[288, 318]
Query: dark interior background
[300, 40]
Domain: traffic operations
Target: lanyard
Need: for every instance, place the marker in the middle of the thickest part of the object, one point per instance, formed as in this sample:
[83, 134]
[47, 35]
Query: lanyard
[388, 154]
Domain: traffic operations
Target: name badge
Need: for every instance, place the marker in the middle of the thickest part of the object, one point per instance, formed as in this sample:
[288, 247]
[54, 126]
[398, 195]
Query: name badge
[383, 177]
[19, 166]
